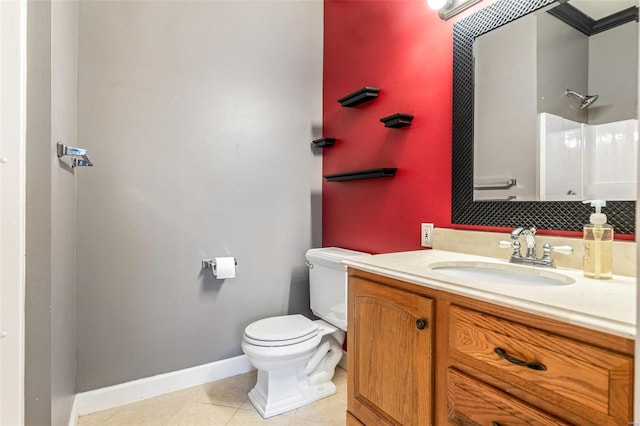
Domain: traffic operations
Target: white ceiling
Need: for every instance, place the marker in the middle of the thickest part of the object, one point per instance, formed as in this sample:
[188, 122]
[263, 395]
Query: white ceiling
[598, 9]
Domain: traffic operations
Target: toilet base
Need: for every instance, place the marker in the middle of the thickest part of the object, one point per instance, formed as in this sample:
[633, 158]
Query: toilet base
[291, 401]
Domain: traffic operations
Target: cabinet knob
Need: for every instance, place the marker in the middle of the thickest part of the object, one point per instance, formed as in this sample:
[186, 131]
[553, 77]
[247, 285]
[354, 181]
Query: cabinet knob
[421, 324]
[495, 424]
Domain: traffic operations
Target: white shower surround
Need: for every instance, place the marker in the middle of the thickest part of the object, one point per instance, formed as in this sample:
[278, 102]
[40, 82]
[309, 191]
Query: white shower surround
[582, 162]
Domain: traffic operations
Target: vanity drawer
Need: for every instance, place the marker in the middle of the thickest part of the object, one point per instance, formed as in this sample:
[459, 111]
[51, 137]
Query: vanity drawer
[471, 402]
[588, 381]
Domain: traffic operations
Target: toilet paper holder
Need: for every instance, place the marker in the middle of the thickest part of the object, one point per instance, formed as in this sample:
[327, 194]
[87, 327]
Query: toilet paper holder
[211, 264]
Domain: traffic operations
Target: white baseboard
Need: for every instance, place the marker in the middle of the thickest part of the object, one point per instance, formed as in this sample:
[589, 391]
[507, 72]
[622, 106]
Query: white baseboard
[138, 390]
[73, 416]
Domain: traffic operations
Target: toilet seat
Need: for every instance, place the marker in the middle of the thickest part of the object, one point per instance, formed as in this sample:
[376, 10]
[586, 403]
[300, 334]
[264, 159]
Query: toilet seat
[283, 330]
[270, 343]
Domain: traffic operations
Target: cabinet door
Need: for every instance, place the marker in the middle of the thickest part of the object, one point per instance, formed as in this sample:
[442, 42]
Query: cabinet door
[389, 355]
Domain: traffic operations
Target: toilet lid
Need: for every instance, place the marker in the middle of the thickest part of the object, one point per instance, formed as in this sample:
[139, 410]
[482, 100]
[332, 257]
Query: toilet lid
[286, 328]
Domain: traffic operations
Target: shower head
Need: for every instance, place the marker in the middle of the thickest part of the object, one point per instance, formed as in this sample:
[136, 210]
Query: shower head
[588, 100]
[585, 100]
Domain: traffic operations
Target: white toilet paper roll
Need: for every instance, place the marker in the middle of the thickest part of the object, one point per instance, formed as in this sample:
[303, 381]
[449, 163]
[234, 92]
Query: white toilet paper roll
[225, 267]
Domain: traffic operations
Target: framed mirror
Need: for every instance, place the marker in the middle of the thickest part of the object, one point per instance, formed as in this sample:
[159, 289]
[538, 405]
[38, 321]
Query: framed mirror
[522, 82]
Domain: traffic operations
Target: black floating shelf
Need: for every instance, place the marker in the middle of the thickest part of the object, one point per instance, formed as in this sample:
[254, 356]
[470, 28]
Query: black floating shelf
[324, 142]
[359, 96]
[361, 174]
[399, 119]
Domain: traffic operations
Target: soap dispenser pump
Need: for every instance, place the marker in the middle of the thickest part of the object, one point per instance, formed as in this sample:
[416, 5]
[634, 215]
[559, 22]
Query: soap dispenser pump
[598, 243]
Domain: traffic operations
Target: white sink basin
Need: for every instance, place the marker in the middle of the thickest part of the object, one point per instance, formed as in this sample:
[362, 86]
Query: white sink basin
[501, 273]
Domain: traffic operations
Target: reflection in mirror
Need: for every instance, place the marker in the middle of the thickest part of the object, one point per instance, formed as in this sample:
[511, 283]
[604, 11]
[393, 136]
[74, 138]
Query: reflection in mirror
[552, 215]
[555, 105]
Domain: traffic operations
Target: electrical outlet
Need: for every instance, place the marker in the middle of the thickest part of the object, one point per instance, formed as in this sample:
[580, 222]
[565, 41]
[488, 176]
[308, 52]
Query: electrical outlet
[426, 235]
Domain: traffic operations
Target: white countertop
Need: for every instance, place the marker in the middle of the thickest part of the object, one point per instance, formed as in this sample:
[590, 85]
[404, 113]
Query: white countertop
[604, 305]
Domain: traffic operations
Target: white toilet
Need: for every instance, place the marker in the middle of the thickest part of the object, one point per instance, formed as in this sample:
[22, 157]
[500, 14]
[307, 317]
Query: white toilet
[295, 356]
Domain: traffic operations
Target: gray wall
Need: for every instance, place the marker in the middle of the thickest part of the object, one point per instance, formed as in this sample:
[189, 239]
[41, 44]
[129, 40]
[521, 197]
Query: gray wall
[50, 362]
[562, 57]
[64, 16]
[38, 216]
[613, 74]
[603, 64]
[504, 111]
[198, 117]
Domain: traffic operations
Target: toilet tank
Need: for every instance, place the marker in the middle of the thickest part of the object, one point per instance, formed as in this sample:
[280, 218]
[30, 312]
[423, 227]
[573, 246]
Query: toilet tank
[328, 283]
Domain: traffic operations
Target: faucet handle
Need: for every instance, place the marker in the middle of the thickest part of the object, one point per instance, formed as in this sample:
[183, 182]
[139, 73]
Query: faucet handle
[506, 244]
[547, 249]
[515, 245]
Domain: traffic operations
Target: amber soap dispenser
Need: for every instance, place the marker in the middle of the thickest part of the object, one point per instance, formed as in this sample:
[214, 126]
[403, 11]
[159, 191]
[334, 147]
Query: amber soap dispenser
[598, 244]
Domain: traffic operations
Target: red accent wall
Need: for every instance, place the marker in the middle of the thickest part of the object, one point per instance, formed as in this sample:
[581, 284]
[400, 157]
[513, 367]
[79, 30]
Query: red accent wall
[405, 49]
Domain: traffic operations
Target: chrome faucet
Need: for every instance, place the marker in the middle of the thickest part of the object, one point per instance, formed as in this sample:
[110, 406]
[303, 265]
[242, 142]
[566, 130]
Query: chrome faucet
[530, 239]
[530, 257]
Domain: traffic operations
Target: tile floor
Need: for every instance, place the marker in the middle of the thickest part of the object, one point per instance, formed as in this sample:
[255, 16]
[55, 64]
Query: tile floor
[223, 402]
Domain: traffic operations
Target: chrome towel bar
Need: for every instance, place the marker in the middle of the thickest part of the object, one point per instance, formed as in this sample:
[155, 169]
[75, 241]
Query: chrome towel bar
[495, 185]
[506, 198]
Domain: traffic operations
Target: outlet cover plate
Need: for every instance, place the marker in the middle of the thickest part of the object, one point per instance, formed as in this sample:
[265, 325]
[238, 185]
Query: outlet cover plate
[426, 235]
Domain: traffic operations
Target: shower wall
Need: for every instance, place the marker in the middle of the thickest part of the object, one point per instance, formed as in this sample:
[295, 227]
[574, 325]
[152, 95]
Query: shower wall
[585, 162]
[198, 117]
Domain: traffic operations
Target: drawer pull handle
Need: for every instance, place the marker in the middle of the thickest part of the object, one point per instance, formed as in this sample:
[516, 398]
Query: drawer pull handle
[513, 360]
[421, 324]
[495, 424]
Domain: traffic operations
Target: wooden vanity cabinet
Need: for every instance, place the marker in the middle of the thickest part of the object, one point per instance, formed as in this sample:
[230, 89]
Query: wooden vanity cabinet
[476, 363]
